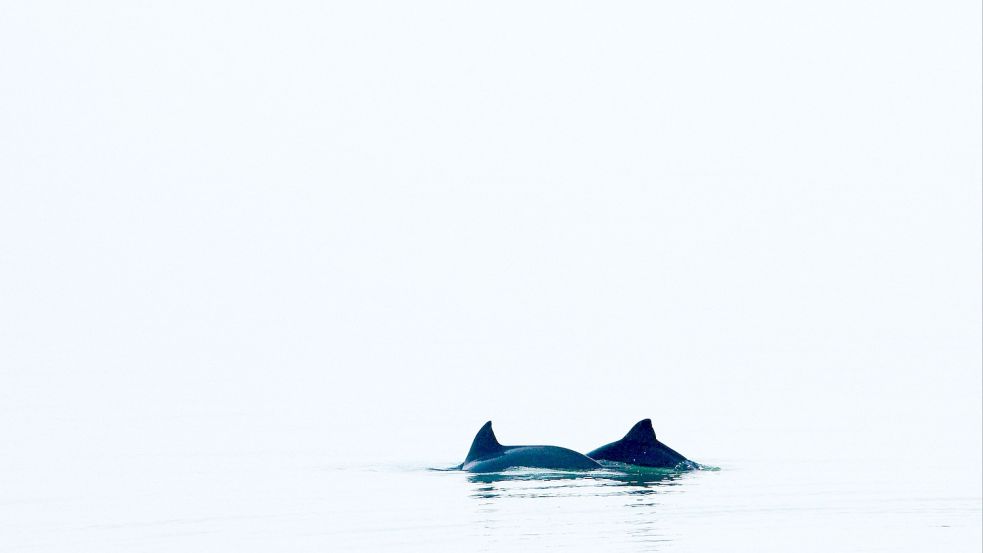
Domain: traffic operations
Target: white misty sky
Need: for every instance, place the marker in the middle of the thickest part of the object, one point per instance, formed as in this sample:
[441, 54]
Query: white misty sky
[365, 228]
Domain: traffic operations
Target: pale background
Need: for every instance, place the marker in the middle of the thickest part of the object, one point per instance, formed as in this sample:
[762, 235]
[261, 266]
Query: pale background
[356, 231]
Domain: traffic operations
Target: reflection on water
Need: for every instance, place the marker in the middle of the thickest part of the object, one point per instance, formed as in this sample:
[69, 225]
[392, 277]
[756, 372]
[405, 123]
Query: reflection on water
[539, 483]
[621, 503]
[752, 505]
[246, 503]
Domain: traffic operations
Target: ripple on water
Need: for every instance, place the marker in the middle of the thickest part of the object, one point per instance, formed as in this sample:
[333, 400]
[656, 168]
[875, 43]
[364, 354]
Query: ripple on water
[615, 507]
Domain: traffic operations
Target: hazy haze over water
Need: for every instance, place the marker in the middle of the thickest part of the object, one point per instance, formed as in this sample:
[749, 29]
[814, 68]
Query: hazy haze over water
[261, 266]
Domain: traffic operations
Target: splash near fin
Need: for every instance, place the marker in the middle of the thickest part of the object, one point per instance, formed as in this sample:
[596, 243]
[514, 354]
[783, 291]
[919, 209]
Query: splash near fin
[485, 444]
[642, 432]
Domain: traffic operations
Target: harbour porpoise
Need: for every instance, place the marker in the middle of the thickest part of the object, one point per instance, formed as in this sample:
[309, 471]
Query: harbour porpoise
[487, 455]
[640, 447]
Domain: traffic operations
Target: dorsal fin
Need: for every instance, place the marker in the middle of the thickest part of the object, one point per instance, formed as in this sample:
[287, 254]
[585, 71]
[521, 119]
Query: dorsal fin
[485, 444]
[641, 432]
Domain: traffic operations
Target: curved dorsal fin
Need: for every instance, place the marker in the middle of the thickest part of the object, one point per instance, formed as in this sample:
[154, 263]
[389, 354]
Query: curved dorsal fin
[484, 444]
[641, 432]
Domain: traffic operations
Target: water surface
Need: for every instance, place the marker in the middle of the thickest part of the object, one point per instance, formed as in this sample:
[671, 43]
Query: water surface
[276, 501]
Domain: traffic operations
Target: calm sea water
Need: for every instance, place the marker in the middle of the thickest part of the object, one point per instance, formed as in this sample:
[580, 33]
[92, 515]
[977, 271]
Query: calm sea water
[299, 501]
